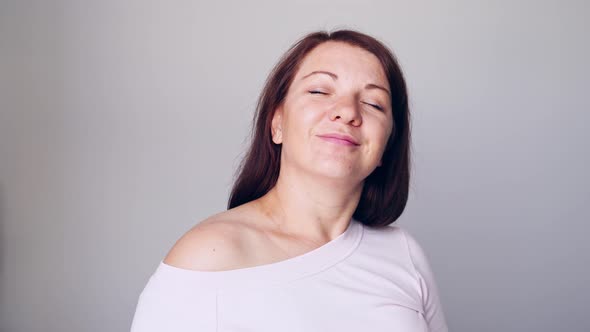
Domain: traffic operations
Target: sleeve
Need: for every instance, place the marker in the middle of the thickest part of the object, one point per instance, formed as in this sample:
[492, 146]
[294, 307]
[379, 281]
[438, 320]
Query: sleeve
[433, 312]
[171, 301]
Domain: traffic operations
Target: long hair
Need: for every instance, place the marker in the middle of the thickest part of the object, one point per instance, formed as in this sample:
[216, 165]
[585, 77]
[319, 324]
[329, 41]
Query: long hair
[385, 190]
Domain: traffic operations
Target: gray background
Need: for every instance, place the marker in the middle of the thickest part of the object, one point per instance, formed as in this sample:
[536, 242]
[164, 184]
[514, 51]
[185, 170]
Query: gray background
[122, 122]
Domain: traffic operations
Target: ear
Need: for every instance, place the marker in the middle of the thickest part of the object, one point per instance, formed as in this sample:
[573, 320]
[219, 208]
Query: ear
[277, 126]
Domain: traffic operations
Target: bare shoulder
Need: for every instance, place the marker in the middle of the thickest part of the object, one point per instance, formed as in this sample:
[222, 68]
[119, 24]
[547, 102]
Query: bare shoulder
[215, 244]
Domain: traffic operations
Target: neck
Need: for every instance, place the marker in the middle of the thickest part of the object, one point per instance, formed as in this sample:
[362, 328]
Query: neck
[310, 208]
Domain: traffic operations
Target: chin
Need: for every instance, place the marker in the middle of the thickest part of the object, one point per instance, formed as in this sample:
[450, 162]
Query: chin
[338, 170]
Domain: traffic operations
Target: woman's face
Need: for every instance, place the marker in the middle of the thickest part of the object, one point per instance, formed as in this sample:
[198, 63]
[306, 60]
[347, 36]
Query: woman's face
[336, 118]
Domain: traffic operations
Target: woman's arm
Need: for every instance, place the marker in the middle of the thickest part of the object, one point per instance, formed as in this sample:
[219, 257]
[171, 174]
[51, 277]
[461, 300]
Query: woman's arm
[174, 301]
[433, 312]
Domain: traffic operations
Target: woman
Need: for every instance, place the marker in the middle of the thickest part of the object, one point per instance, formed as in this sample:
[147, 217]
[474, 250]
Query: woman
[304, 245]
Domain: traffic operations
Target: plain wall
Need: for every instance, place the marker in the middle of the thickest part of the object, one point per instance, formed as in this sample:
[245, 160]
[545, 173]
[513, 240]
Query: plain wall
[122, 123]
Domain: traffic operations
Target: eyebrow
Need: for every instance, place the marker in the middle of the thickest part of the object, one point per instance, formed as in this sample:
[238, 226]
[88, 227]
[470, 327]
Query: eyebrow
[335, 77]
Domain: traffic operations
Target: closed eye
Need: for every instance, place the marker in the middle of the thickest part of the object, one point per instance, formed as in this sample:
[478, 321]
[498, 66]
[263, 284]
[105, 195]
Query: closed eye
[316, 92]
[374, 106]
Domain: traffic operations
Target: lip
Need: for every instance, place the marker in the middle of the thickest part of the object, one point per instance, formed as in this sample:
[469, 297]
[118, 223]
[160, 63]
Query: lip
[340, 139]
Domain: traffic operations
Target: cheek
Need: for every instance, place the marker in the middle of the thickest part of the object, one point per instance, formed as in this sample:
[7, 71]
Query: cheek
[302, 117]
[380, 133]
[388, 132]
[388, 129]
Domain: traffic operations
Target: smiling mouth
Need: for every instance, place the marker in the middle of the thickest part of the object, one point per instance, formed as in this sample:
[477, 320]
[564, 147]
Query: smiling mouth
[338, 140]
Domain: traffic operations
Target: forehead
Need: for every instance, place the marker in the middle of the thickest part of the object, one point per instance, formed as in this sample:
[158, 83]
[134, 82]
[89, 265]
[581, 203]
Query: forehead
[343, 60]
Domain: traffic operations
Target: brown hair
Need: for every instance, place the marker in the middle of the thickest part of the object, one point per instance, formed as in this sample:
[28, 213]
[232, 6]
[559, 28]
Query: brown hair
[385, 190]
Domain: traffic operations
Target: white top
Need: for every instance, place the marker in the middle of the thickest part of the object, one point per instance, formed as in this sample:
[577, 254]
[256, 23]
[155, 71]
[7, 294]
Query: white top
[367, 279]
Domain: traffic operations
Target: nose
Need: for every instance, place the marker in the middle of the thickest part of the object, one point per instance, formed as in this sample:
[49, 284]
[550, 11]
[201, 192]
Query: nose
[347, 110]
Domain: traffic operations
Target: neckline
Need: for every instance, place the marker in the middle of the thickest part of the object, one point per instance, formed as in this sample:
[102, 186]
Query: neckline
[290, 269]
